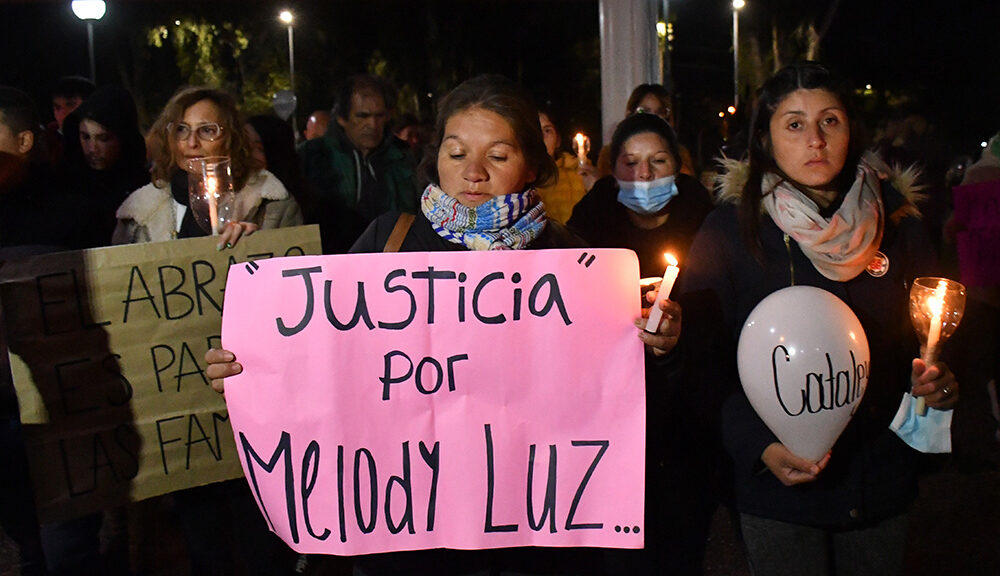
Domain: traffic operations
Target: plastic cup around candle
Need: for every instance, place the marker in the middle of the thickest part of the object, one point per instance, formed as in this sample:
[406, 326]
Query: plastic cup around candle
[936, 309]
[210, 192]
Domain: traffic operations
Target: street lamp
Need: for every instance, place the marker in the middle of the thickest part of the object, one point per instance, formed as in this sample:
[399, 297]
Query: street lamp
[665, 35]
[737, 6]
[90, 10]
[287, 17]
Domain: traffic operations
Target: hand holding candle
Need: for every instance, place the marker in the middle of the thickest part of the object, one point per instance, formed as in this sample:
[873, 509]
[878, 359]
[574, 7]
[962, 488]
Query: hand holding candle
[936, 308]
[666, 285]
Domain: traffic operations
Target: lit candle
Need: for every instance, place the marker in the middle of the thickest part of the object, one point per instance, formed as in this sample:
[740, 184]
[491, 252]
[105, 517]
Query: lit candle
[582, 144]
[936, 305]
[666, 285]
[211, 191]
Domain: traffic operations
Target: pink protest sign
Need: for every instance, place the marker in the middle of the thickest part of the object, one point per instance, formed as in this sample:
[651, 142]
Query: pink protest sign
[977, 219]
[425, 400]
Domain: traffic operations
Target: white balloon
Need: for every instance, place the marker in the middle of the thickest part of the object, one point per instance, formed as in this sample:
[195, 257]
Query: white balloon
[803, 361]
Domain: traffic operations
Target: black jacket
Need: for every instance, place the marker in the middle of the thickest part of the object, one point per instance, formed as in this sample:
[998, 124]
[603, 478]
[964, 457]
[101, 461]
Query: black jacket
[347, 191]
[872, 473]
[604, 223]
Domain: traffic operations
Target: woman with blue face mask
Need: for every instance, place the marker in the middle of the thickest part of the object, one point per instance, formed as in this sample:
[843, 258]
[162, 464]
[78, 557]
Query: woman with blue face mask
[647, 205]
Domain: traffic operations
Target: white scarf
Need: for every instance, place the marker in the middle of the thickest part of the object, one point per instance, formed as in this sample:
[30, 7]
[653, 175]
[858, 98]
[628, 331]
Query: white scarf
[839, 247]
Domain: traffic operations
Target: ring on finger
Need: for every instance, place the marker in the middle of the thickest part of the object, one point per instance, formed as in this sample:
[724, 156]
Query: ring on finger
[946, 391]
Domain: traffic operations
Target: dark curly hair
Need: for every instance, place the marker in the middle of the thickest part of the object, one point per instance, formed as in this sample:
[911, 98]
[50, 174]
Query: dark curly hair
[161, 152]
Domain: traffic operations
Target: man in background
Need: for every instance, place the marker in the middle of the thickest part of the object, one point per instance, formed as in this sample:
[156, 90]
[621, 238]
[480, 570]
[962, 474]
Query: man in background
[358, 170]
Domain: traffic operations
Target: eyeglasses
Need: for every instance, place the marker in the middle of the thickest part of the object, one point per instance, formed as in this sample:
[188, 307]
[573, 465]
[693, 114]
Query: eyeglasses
[208, 132]
[664, 115]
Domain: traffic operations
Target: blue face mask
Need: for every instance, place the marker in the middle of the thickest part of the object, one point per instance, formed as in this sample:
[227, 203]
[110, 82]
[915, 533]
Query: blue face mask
[647, 197]
[930, 433]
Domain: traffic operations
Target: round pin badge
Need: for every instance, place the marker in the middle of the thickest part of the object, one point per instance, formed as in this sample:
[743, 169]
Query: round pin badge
[879, 265]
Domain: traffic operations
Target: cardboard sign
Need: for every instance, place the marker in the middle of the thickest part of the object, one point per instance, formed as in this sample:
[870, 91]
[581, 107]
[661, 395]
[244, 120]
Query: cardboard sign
[977, 216]
[107, 350]
[462, 400]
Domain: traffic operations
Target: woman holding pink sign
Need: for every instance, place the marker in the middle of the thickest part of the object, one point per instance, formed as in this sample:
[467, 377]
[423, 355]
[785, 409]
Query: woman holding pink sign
[485, 161]
[810, 209]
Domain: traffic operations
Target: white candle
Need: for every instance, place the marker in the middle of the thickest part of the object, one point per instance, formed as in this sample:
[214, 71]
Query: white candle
[581, 147]
[936, 305]
[666, 285]
[211, 190]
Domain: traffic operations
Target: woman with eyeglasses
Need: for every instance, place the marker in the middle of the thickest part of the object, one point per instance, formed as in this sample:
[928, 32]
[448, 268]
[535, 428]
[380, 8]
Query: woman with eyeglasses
[200, 122]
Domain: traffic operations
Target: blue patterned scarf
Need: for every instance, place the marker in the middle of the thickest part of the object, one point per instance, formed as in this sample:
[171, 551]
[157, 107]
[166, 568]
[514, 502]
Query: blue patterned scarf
[508, 222]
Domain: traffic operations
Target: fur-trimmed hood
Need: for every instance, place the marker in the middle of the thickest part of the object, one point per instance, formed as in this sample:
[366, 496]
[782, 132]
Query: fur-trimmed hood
[733, 175]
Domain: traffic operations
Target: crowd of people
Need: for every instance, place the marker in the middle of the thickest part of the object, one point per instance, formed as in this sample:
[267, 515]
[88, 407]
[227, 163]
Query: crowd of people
[808, 204]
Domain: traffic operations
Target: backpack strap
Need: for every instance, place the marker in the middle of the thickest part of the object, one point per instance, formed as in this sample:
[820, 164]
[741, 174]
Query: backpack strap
[398, 233]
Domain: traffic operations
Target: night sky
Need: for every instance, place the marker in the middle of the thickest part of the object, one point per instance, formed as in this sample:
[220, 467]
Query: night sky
[943, 55]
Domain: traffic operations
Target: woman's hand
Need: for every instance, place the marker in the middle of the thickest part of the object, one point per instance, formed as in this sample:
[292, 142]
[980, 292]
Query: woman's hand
[588, 172]
[935, 383]
[669, 329]
[232, 233]
[221, 364]
[789, 468]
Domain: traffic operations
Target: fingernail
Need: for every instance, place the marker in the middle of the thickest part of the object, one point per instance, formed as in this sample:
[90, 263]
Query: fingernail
[229, 244]
[237, 367]
[218, 247]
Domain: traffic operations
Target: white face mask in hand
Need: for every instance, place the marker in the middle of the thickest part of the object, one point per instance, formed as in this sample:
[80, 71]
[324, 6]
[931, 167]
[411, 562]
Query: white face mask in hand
[930, 433]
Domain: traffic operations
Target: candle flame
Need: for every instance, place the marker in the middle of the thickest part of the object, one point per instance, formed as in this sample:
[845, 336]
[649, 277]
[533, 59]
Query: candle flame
[212, 185]
[936, 302]
[671, 260]
[579, 139]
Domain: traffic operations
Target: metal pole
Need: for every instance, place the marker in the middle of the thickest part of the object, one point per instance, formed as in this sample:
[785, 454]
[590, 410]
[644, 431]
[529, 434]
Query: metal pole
[668, 73]
[90, 46]
[736, 58]
[291, 75]
[291, 57]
